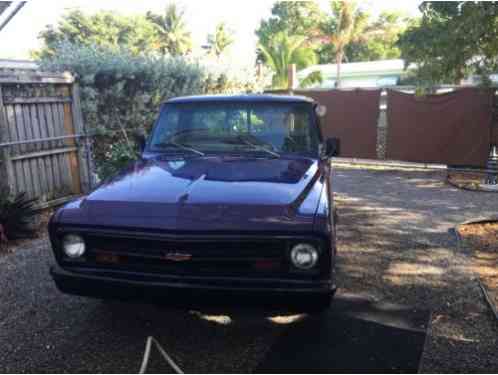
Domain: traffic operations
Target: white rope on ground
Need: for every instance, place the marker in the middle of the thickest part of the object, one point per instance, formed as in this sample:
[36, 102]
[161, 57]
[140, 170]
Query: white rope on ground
[488, 299]
[145, 360]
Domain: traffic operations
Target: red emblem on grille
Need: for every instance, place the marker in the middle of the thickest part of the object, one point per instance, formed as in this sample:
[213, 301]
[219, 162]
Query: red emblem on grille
[177, 257]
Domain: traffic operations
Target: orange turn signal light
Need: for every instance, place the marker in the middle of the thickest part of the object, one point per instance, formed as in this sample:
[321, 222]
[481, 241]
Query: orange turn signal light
[107, 258]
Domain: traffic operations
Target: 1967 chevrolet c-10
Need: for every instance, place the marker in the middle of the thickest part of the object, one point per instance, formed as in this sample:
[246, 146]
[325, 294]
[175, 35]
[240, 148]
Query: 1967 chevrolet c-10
[231, 195]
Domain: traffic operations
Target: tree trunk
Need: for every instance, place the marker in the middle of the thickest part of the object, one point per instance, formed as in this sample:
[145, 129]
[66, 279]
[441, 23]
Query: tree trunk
[338, 60]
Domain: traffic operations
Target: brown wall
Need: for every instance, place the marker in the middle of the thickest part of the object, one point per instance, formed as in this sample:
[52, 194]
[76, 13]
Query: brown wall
[352, 117]
[452, 128]
[494, 135]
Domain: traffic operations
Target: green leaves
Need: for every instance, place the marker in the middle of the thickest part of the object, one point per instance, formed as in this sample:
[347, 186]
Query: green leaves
[346, 32]
[16, 216]
[281, 50]
[292, 17]
[379, 39]
[346, 25]
[311, 79]
[117, 157]
[105, 29]
[452, 41]
[220, 40]
[121, 91]
[165, 34]
[172, 35]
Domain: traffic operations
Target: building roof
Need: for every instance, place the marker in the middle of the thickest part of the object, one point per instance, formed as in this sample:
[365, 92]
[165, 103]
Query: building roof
[242, 98]
[358, 68]
[13, 64]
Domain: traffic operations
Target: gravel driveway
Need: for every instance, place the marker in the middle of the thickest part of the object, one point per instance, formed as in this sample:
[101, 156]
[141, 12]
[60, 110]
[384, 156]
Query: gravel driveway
[395, 245]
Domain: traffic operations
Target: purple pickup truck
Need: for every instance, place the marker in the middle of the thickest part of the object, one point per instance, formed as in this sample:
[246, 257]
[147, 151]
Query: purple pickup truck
[231, 196]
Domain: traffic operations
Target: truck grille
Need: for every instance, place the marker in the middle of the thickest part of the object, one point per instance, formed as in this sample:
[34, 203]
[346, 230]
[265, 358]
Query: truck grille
[197, 257]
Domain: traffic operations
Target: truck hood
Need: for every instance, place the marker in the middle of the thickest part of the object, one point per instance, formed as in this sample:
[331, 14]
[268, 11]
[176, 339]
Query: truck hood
[205, 194]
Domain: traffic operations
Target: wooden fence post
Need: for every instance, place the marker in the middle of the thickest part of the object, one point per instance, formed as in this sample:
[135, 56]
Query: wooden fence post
[6, 173]
[382, 126]
[84, 150]
[291, 77]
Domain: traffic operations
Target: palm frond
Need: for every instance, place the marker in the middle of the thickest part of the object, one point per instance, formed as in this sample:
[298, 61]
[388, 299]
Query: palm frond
[282, 50]
[311, 79]
[16, 215]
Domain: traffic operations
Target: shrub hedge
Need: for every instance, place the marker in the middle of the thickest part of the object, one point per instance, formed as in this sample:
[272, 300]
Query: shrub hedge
[122, 91]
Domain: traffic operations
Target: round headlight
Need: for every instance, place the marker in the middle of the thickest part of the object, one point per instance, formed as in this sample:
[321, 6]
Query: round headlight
[304, 256]
[73, 245]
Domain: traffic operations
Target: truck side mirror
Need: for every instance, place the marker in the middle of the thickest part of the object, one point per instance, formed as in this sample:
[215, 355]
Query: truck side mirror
[320, 110]
[140, 140]
[332, 147]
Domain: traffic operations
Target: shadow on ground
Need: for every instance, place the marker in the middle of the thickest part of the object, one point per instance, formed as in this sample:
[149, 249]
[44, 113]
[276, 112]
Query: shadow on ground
[396, 241]
[356, 335]
[394, 245]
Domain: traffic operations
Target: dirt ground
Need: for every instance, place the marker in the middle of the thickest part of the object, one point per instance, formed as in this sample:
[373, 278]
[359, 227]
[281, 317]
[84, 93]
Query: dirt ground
[481, 241]
[467, 180]
[396, 244]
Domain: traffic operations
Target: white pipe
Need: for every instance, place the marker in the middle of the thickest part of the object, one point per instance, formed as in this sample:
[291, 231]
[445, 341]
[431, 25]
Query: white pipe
[145, 360]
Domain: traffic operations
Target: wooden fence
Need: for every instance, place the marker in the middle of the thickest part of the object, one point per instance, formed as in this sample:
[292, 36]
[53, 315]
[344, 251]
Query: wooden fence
[43, 148]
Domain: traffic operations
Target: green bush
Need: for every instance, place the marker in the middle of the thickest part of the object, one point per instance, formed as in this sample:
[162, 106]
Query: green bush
[16, 216]
[118, 156]
[122, 92]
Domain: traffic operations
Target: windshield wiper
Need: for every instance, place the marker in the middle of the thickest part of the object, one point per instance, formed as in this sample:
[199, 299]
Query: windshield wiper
[262, 148]
[180, 147]
[259, 147]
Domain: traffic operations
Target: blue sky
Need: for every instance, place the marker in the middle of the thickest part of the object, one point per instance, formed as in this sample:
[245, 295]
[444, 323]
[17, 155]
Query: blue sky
[20, 36]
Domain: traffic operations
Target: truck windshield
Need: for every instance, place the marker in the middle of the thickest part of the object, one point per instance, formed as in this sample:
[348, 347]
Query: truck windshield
[269, 129]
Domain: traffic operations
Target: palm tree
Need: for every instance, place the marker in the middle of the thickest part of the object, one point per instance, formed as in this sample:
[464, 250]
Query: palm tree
[282, 50]
[347, 24]
[173, 36]
[220, 40]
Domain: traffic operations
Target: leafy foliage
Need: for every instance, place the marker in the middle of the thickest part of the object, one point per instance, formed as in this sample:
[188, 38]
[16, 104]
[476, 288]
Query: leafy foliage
[121, 91]
[344, 33]
[381, 37]
[311, 79]
[452, 41]
[291, 17]
[347, 24]
[224, 80]
[220, 40]
[164, 34]
[105, 29]
[281, 50]
[173, 36]
[16, 214]
[117, 157]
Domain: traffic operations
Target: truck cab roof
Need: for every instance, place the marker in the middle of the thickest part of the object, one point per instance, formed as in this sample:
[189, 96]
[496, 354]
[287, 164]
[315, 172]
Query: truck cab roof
[259, 98]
